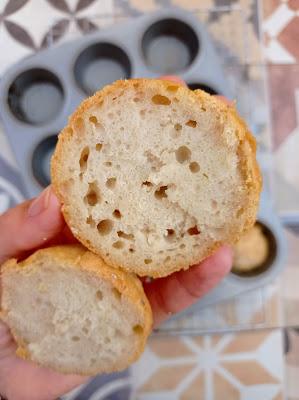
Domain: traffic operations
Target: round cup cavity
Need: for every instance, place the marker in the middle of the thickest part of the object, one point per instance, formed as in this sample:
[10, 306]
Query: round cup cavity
[41, 159]
[169, 46]
[207, 88]
[35, 96]
[272, 255]
[100, 64]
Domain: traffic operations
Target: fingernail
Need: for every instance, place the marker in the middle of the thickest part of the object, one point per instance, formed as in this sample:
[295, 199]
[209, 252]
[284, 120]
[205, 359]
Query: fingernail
[40, 204]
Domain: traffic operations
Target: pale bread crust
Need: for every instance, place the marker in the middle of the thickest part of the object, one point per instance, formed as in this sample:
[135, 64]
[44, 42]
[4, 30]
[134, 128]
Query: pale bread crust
[252, 181]
[127, 284]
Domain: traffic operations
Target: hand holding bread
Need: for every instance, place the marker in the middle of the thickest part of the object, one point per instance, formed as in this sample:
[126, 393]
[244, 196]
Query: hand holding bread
[158, 203]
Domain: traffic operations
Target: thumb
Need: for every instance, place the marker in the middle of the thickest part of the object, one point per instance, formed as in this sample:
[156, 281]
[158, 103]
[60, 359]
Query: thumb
[30, 224]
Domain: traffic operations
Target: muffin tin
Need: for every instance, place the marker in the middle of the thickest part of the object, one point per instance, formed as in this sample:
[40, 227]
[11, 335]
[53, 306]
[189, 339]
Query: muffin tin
[38, 94]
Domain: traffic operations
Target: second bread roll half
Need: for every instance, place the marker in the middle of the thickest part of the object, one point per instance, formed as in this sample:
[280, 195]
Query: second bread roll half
[154, 177]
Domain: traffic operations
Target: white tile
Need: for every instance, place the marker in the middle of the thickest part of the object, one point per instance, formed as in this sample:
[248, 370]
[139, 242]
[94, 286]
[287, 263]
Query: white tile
[274, 24]
[276, 53]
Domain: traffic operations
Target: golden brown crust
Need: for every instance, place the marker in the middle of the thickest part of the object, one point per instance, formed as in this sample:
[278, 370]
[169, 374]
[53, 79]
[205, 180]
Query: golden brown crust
[76, 256]
[198, 98]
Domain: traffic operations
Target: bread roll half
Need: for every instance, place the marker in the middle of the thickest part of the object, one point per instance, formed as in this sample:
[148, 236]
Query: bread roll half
[69, 311]
[154, 177]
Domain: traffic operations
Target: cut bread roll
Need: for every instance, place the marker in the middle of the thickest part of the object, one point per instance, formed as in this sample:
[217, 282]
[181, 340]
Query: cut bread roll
[69, 311]
[154, 177]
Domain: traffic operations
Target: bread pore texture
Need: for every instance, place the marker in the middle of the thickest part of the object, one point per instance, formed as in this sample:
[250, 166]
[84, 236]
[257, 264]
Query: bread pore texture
[154, 177]
[70, 312]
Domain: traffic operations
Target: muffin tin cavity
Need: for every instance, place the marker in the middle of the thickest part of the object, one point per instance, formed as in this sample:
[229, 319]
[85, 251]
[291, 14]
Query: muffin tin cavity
[170, 46]
[100, 64]
[41, 159]
[270, 258]
[203, 86]
[35, 96]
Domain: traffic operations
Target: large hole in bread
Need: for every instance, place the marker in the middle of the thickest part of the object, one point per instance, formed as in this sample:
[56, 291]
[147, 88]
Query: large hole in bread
[111, 183]
[105, 226]
[124, 235]
[161, 100]
[92, 197]
[182, 154]
[138, 329]
[194, 167]
[193, 230]
[161, 192]
[84, 158]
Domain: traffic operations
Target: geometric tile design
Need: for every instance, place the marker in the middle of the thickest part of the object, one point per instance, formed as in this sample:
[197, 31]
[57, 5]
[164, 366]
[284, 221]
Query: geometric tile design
[229, 366]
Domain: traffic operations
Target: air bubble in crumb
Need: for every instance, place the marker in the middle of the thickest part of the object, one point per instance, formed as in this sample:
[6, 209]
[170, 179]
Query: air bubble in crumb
[108, 163]
[182, 154]
[84, 158]
[172, 88]
[93, 119]
[214, 204]
[178, 127]
[167, 259]
[105, 226]
[111, 182]
[90, 221]
[160, 100]
[194, 167]
[138, 329]
[99, 146]
[170, 235]
[116, 293]
[117, 214]
[191, 123]
[118, 245]
[182, 246]
[147, 183]
[75, 338]
[148, 261]
[161, 192]
[99, 295]
[92, 197]
[78, 124]
[124, 235]
[193, 230]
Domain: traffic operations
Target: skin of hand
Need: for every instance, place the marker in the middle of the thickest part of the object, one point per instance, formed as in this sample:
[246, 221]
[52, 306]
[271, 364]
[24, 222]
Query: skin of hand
[38, 223]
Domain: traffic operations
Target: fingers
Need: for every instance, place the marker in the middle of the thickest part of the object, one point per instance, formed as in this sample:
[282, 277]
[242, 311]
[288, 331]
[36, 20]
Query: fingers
[30, 224]
[180, 290]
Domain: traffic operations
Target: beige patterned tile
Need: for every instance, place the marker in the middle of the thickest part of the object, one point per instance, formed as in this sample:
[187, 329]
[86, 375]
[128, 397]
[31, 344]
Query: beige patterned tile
[245, 342]
[257, 376]
[223, 389]
[196, 389]
[170, 347]
[167, 378]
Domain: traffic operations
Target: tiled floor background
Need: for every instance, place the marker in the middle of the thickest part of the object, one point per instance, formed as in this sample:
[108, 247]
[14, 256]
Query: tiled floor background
[256, 365]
